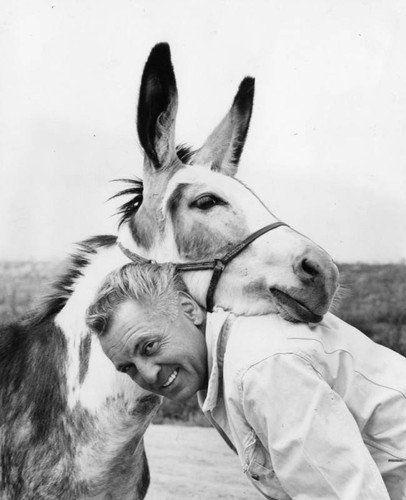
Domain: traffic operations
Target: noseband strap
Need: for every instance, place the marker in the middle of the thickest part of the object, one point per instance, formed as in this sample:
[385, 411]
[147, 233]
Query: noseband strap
[218, 265]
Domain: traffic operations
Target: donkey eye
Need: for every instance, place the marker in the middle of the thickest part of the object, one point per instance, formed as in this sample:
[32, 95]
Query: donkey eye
[207, 201]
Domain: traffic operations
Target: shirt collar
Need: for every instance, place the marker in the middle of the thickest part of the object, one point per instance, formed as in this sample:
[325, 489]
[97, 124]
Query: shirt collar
[215, 352]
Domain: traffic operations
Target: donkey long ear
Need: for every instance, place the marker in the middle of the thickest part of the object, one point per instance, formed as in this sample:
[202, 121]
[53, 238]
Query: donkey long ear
[223, 148]
[157, 106]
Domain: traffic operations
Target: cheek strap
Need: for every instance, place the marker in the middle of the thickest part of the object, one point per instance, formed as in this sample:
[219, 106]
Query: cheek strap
[218, 265]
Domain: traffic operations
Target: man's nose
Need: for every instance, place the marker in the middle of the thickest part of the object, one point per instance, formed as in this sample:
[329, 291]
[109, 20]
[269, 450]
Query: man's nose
[148, 371]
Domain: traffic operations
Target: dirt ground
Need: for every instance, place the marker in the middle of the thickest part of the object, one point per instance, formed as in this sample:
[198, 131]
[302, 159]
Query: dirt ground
[193, 463]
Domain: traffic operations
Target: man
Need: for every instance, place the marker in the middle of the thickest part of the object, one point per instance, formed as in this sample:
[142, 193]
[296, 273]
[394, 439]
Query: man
[313, 411]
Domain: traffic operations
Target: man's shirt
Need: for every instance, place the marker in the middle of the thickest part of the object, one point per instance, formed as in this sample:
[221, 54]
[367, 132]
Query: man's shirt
[314, 411]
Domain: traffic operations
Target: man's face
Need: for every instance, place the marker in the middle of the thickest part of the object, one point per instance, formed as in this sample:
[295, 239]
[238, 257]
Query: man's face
[167, 357]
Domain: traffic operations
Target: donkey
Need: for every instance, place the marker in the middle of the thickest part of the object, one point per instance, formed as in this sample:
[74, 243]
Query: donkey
[71, 427]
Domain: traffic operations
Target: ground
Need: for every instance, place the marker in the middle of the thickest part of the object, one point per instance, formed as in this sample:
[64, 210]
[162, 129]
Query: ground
[193, 463]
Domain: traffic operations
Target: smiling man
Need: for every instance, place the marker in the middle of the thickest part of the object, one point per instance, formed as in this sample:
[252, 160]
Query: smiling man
[313, 411]
[137, 335]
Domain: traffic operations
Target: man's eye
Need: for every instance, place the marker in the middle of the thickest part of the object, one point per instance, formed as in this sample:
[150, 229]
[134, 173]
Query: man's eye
[150, 348]
[125, 368]
[207, 201]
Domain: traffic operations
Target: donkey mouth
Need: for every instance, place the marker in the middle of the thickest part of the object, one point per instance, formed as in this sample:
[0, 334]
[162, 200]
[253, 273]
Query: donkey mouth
[294, 310]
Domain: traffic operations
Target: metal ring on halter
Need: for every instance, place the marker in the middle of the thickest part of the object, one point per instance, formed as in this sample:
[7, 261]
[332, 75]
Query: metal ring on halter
[218, 265]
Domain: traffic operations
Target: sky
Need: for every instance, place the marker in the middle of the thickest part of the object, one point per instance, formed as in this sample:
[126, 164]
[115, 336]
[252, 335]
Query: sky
[326, 150]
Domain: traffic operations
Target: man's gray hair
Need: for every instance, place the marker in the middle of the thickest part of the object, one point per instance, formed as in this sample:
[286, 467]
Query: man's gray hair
[154, 286]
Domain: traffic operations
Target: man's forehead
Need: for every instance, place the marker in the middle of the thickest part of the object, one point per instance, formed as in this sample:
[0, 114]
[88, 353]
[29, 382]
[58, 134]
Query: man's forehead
[133, 313]
[127, 314]
[132, 321]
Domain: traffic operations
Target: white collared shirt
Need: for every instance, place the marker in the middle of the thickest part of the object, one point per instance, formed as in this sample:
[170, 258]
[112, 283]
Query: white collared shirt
[314, 411]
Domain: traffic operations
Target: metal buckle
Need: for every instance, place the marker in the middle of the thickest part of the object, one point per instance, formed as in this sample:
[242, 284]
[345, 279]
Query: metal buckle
[219, 265]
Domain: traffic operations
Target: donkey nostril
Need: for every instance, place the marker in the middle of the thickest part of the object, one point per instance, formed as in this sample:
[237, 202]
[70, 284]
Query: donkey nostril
[309, 269]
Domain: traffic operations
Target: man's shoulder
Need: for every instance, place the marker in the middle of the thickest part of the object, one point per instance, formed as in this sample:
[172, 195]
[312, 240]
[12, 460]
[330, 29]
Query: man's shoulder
[271, 331]
[255, 338]
[259, 337]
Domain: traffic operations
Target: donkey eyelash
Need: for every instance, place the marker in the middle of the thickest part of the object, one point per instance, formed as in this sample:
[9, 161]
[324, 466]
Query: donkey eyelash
[210, 198]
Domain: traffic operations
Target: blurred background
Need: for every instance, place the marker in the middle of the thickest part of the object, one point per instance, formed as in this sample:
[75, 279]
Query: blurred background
[326, 150]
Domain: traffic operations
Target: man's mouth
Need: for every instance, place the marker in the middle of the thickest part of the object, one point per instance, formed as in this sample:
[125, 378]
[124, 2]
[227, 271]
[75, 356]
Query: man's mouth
[171, 378]
[294, 310]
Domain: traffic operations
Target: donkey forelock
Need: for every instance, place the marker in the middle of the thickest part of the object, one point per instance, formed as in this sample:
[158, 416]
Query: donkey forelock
[144, 228]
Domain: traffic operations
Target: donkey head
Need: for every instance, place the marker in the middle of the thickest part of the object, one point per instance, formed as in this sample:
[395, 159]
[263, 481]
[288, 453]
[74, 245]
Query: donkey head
[193, 208]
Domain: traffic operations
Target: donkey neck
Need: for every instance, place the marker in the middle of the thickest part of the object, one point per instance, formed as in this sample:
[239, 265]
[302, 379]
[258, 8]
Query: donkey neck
[72, 317]
[91, 377]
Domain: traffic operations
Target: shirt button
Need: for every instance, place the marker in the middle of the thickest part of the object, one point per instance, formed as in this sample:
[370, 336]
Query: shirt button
[255, 477]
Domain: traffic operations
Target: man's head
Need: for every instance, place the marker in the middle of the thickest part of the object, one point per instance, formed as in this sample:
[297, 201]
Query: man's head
[151, 329]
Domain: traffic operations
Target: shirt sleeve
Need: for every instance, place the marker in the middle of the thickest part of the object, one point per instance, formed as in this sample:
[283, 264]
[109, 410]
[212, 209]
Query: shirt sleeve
[315, 445]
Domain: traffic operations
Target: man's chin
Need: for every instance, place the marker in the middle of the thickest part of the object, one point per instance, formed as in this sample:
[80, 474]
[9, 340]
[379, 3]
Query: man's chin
[183, 395]
[180, 398]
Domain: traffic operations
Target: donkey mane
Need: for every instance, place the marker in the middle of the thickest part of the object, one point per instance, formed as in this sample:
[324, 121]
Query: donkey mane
[63, 286]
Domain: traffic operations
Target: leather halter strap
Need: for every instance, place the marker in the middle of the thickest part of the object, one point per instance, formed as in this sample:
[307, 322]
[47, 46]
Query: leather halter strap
[218, 265]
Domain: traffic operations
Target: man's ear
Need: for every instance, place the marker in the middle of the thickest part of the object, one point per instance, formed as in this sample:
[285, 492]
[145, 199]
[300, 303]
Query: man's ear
[191, 308]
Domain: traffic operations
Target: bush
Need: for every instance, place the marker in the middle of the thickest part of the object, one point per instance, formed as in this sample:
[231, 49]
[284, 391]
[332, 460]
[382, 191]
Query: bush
[375, 302]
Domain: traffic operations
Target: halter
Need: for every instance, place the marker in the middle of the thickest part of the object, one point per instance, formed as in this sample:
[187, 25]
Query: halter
[218, 265]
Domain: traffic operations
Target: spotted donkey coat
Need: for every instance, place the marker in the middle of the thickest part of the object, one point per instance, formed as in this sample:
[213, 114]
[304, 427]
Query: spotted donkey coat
[71, 427]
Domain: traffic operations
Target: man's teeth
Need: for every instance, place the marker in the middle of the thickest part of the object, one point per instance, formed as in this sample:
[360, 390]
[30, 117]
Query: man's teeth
[171, 378]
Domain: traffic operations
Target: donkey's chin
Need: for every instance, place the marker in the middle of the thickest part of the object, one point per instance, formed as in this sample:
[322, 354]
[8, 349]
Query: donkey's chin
[292, 309]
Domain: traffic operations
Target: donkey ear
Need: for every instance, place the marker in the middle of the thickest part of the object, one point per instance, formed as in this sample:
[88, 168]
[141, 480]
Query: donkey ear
[223, 148]
[157, 106]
